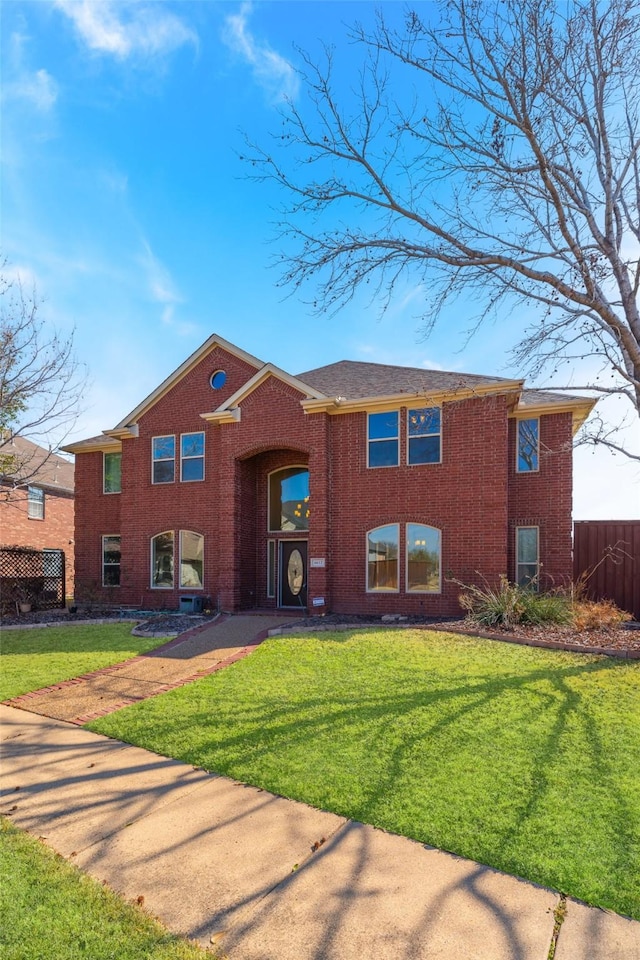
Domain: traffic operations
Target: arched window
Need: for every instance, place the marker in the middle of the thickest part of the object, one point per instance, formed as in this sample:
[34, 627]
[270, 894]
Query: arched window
[382, 559]
[289, 499]
[162, 561]
[191, 559]
[423, 559]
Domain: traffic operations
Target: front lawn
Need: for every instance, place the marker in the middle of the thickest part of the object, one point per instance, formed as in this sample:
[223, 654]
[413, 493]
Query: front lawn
[49, 909]
[524, 759]
[40, 656]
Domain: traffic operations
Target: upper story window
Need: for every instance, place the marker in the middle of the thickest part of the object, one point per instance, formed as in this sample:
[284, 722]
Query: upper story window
[423, 435]
[289, 507]
[112, 473]
[164, 459]
[528, 446]
[35, 503]
[192, 456]
[191, 559]
[382, 559]
[111, 561]
[162, 561]
[383, 437]
[423, 558]
[527, 556]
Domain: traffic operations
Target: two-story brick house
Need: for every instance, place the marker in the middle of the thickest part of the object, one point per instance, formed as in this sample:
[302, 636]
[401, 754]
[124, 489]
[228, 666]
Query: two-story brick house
[354, 487]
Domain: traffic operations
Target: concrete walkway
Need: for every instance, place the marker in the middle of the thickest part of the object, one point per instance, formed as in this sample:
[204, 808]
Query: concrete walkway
[257, 877]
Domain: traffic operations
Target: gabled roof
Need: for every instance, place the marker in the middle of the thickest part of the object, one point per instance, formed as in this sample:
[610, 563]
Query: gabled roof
[345, 387]
[122, 428]
[37, 466]
[230, 409]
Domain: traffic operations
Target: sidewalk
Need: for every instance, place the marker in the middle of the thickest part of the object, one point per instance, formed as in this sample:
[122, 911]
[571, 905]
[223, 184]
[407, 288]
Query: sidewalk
[257, 877]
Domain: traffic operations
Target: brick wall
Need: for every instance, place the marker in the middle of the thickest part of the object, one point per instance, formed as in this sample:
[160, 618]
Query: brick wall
[544, 499]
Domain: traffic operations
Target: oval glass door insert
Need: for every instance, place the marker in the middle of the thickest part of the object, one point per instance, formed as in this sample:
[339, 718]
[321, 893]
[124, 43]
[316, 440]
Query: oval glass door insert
[295, 572]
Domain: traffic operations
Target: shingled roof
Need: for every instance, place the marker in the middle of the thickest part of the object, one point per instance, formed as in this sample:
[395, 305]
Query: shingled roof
[354, 380]
[38, 466]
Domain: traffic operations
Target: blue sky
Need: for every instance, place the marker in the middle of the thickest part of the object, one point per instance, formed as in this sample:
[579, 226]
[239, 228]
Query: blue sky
[125, 202]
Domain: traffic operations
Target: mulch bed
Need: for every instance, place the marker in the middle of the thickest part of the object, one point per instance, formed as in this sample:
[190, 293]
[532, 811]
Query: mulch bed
[622, 641]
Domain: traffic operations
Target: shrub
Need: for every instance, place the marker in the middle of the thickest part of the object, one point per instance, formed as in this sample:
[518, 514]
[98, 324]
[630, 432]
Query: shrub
[509, 605]
[596, 614]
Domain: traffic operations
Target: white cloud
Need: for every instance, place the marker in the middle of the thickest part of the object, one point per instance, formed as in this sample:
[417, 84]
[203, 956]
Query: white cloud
[124, 29]
[271, 71]
[162, 289]
[38, 88]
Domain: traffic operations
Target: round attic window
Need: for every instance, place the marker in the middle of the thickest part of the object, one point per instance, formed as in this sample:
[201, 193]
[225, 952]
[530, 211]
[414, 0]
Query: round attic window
[218, 379]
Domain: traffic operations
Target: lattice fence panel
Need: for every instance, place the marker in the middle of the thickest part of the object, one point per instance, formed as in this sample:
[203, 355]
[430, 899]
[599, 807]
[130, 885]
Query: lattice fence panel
[35, 577]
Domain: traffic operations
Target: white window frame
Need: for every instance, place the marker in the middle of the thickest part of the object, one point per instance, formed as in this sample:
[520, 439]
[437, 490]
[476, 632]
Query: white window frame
[162, 586]
[518, 564]
[370, 441]
[379, 590]
[154, 459]
[35, 504]
[110, 453]
[427, 526]
[189, 586]
[519, 421]
[200, 456]
[111, 536]
[424, 463]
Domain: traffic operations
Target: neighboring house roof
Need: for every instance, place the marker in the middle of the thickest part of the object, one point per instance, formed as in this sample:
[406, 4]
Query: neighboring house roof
[36, 467]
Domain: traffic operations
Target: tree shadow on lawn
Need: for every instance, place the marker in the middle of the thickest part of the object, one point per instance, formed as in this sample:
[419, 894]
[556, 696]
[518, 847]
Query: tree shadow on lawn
[514, 771]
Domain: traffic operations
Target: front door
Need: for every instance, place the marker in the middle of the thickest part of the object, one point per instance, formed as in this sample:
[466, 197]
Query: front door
[293, 573]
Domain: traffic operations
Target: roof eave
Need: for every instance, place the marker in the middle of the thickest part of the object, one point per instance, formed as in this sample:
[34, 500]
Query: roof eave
[338, 405]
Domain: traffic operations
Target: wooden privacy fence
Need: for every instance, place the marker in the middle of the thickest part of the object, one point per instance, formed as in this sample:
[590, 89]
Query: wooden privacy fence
[607, 552]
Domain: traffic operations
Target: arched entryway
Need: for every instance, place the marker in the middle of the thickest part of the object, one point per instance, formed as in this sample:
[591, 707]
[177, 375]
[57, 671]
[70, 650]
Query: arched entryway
[273, 515]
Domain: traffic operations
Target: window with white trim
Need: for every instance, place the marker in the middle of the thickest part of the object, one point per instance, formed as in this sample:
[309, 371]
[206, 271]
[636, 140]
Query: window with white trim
[111, 560]
[423, 558]
[382, 559]
[528, 446]
[35, 503]
[191, 559]
[383, 439]
[423, 435]
[527, 556]
[162, 561]
[163, 459]
[192, 456]
[112, 473]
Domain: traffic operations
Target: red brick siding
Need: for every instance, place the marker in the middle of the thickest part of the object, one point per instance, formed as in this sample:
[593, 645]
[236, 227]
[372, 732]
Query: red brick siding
[55, 532]
[544, 499]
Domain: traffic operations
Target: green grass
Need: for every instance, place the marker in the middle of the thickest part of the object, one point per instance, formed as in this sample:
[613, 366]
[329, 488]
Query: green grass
[48, 909]
[524, 759]
[36, 658]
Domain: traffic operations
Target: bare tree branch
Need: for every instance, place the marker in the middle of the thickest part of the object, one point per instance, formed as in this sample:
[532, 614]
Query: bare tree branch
[41, 386]
[510, 174]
